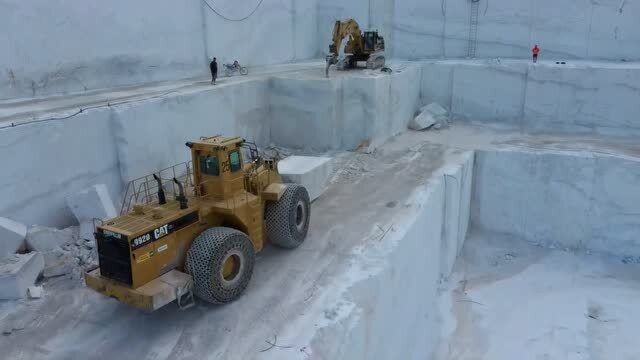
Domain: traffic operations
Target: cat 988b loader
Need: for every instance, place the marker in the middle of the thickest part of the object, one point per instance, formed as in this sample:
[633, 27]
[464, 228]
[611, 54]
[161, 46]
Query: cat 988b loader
[225, 204]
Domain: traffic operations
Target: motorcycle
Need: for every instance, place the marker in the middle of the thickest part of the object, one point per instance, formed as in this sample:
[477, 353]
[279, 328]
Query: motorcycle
[232, 69]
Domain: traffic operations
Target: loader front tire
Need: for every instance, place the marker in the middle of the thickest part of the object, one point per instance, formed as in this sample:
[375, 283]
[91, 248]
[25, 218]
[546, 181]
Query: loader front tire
[220, 261]
[287, 220]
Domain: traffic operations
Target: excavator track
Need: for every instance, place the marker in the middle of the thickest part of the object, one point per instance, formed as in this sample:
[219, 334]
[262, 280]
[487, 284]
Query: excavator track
[376, 61]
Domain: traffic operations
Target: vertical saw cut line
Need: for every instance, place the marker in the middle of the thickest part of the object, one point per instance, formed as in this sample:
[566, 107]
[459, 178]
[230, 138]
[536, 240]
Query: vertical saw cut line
[230, 19]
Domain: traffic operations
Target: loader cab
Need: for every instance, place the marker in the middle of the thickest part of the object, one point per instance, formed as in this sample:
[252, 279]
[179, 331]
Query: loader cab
[217, 166]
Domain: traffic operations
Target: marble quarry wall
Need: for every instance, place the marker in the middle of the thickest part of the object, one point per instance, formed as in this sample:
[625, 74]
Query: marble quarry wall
[580, 97]
[567, 29]
[52, 47]
[567, 200]
[75, 46]
[44, 161]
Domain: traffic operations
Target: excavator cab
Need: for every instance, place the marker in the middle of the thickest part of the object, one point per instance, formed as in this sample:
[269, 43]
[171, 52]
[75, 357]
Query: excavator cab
[370, 38]
[372, 41]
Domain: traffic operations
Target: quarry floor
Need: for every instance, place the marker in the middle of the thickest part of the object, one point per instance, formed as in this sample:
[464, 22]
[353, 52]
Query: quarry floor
[505, 295]
[72, 321]
[510, 299]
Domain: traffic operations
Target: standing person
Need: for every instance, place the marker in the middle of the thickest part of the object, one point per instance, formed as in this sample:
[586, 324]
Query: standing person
[535, 50]
[213, 66]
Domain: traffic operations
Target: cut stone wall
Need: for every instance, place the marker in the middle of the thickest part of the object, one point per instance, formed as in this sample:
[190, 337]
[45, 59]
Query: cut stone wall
[395, 280]
[74, 46]
[577, 98]
[566, 29]
[567, 200]
[344, 111]
[47, 161]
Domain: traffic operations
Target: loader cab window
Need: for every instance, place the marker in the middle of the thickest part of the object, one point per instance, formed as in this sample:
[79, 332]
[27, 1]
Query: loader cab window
[209, 165]
[234, 161]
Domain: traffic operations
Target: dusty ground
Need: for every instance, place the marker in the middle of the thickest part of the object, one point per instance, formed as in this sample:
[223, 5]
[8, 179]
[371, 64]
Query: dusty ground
[72, 322]
[559, 305]
[509, 299]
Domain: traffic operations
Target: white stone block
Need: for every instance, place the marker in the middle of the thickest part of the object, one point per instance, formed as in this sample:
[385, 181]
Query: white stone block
[34, 292]
[435, 109]
[310, 171]
[18, 273]
[423, 121]
[42, 238]
[12, 235]
[430, 115]
[91, 203]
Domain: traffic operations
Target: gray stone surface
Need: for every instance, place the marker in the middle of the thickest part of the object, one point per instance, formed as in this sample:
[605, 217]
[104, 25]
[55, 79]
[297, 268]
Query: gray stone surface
[422, 121]
[91, 203]
[430, 115]
[566, 200]
[12, 235]
[310, 171]
[139, 48]
[581, 97]
[43, 239]
[457, 182]
[34, 292]
[18, 273]
[359, 108]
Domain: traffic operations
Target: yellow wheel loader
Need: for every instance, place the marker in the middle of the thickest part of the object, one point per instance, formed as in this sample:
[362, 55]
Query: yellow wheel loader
[226, 203]
[360, 46]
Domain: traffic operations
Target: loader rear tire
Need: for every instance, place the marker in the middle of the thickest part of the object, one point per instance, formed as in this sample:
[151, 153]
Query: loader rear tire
[220, 261]
[287, 220]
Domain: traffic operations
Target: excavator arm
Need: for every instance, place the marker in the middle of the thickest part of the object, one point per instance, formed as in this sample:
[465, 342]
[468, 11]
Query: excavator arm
[341, 30]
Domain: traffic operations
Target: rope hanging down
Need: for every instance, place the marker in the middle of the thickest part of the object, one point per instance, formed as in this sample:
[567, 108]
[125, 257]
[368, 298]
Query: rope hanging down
[229, 19]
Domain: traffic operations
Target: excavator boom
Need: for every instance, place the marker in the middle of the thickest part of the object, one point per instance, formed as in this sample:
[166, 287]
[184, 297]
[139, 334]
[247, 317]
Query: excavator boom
[341, 30]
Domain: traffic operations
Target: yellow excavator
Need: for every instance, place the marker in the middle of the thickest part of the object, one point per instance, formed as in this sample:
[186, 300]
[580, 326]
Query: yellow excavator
[360, 46]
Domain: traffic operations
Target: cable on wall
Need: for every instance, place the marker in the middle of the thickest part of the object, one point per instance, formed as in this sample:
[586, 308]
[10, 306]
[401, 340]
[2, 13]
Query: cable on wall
[228, 18]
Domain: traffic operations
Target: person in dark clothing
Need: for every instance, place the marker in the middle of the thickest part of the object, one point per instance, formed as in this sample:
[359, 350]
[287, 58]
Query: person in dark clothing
[213, 66]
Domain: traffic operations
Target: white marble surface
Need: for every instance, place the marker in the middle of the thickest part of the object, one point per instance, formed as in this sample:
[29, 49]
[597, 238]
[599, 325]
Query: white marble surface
[12, 235]
[581, 97]
[116, 144]
[73, 46]
[345, 111]
[43, 162]
[566, 29]
[312, 172]
[569, 200]
[51, 48]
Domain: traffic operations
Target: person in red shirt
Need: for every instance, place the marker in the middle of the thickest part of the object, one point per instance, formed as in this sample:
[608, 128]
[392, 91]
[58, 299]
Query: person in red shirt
[535, 50]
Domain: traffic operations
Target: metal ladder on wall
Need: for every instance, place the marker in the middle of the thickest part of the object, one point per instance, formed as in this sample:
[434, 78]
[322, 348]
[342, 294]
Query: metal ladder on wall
[473, 29]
